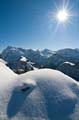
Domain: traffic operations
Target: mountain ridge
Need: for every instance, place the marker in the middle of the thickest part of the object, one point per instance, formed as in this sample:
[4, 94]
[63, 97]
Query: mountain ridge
[42, 59]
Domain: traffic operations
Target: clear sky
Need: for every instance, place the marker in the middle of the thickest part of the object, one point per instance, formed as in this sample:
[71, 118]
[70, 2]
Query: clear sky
[28, 24]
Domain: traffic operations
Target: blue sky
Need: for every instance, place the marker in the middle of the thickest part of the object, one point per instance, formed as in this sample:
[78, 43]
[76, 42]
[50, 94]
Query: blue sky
[27, 24]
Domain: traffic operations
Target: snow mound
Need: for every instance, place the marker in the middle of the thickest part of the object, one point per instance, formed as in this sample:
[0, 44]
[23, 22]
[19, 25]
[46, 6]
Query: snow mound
[3, 61]
[40, 95]
[6, 75]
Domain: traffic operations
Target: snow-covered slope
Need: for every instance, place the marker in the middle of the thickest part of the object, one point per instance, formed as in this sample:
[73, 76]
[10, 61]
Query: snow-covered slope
[38, 95]
[2, 61]
[6, 75]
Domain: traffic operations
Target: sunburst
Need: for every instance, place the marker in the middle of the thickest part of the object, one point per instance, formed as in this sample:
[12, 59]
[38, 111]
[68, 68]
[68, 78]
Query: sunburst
[61, 15]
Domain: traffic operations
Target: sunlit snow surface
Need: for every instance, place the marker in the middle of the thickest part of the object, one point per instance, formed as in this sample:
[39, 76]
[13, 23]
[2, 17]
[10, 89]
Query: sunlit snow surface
[23, 59]
[72, 64]
[38, 95]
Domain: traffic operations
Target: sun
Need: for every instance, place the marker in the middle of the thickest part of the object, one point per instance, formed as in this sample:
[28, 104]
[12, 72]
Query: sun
[62, 16]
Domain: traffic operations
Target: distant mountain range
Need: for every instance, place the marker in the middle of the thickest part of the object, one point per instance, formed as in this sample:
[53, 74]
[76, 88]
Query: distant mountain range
[22, 60]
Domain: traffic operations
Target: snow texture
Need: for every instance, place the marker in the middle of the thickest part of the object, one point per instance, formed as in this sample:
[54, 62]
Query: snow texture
[38, 95]
[3, 61]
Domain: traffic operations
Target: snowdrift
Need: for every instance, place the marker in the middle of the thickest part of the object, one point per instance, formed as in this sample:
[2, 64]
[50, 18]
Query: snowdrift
[38, 95]
[6, 75]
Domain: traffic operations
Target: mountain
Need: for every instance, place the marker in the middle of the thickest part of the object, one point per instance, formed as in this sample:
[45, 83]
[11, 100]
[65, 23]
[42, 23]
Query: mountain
[21, 65]
[13, 54]
[41, 94]
[40, 57]
[71, 55]
[46, 52]
[36, 57]
[69, 69]
[55, 60]
[23, 60]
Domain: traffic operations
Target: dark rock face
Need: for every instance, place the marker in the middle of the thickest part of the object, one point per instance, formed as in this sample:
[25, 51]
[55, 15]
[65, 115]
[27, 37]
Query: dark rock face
[71, 70]
[20, 66]
[55, 60]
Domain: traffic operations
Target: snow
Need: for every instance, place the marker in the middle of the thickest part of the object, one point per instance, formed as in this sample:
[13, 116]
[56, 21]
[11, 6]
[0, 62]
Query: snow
[46, 52]
[72, 64]
[35, 68]
[31, 63]
[6, 75]
[43, 94]
[14, 49]
[23, 59]
[3, 61]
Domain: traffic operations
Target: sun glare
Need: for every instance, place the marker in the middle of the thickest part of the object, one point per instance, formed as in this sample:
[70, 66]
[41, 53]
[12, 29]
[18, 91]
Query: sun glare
[62, 16]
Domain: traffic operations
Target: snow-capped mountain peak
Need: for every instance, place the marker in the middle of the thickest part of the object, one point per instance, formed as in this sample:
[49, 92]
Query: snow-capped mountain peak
[47, 52]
